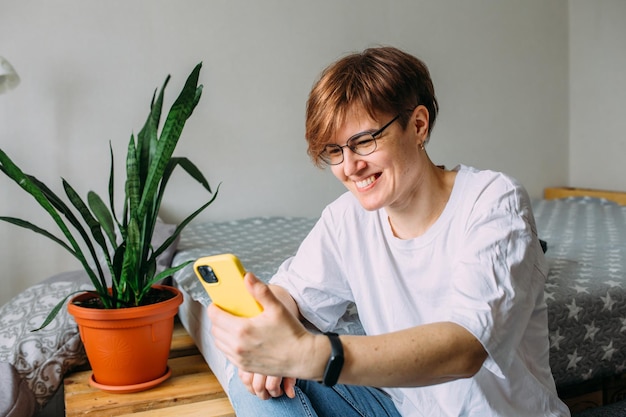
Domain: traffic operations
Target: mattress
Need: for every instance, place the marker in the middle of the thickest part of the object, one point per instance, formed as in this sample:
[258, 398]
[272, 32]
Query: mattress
[585, 290]
[586, 241]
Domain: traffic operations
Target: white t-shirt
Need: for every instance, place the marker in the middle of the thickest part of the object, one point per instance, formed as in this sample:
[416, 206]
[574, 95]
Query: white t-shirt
[480, 266]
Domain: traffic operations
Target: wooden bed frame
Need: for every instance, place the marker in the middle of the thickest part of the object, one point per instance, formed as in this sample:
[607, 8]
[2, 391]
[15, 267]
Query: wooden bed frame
[562, 192]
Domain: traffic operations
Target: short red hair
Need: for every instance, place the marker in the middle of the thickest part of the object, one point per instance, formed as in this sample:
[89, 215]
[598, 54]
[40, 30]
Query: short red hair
[383, 80]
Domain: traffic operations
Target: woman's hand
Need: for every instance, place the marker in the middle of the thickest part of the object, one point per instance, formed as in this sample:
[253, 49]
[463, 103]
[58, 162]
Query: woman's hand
[266, 387]
[271, 349]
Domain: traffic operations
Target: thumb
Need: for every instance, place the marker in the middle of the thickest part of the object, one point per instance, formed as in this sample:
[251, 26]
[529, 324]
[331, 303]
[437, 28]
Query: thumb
[259, 290]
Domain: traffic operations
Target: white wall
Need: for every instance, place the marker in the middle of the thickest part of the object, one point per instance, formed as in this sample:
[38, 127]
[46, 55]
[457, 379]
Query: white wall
[89, 68]
[598, 94]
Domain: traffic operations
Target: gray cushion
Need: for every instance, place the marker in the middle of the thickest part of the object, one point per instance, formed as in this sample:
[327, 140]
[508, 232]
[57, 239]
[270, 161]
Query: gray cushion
[16, 398]
[40, 359]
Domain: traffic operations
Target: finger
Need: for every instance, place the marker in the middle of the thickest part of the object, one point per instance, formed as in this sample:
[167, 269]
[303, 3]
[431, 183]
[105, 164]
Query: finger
[221, 317]
[260, 291]
[289, 386]
[223, 328]
[258, 386]
[246, 379]
[217, 317]
[273, 386]
[223, 322]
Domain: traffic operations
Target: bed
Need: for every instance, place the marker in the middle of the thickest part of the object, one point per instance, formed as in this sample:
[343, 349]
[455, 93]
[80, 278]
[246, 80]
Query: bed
[585, 290]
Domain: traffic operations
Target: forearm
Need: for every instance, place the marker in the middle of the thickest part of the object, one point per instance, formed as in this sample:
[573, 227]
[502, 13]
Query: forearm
[424, 355]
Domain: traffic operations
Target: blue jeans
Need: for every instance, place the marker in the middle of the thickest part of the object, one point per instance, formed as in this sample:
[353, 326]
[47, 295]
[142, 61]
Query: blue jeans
[314, 400]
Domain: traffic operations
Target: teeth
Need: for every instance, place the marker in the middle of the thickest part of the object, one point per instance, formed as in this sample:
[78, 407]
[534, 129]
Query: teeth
[365, 182]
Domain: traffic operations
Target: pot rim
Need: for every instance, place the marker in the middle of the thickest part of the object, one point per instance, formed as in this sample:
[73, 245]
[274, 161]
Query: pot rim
[80, 312]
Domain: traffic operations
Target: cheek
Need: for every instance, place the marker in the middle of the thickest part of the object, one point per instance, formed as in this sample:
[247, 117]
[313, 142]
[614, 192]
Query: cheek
[338, 172]
[407, 157]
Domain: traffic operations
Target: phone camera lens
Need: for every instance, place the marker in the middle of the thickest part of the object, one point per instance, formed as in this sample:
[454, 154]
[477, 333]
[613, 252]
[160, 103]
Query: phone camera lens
[207, 273]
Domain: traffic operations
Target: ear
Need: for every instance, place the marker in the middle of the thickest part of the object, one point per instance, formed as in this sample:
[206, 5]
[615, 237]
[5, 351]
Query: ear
[419, 122]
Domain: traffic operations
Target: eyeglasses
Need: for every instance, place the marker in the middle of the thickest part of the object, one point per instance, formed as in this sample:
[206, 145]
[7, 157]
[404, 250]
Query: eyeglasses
[363, 144]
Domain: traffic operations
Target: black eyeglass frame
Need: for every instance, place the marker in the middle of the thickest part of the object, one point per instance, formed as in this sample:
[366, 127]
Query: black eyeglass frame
[349, 143]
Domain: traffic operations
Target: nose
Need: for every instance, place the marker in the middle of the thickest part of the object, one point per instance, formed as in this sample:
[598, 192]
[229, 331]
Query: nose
[352, 163]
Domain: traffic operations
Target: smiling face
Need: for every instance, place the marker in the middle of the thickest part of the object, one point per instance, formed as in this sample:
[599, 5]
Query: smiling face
[382, 81]
[390, 177]
[362, 92]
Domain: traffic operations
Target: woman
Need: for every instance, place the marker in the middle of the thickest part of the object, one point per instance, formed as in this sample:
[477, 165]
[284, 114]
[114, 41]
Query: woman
[444, 266]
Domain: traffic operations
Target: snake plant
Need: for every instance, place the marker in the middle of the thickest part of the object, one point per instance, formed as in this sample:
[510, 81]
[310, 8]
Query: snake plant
[124, 240]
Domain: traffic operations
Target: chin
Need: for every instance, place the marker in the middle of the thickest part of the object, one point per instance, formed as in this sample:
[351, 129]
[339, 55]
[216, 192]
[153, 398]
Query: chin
[368, 199]
[369, 205]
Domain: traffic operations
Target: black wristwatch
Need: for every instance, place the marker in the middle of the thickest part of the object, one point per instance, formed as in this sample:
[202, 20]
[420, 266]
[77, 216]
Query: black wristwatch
[335, 362]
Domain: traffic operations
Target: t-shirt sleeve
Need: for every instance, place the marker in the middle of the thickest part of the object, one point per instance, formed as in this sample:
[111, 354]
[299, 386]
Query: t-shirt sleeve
[315, 277]
[498, 276]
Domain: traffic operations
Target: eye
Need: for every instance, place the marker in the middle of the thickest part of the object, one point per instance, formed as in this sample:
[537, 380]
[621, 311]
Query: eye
[332, 150]
[362, 142]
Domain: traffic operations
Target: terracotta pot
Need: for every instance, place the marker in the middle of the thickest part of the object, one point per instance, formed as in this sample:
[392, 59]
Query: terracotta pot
[127, 348]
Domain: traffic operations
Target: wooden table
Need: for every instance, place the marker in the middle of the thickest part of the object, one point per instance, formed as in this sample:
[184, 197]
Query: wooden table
[191, 390]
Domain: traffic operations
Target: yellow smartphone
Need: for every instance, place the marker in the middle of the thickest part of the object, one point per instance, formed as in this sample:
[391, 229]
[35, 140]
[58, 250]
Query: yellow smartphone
[222, 278]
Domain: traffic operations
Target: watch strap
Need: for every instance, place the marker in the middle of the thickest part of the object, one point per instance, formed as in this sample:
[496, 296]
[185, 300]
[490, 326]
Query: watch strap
[335, 362]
